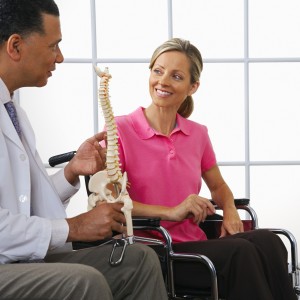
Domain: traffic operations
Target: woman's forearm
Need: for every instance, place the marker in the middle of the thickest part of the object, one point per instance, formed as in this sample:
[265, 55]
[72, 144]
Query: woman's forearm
[145, 210]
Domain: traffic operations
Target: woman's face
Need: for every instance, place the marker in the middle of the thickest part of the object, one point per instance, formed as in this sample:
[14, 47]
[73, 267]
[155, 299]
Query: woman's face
[170, 80]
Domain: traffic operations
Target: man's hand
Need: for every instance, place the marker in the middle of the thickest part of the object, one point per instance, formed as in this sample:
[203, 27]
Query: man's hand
[97, 224]
[89, 158]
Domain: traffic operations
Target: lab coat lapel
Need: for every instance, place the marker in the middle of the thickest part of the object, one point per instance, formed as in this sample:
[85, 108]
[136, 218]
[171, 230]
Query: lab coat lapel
[8, 128]
[27, 130]
[29, 136]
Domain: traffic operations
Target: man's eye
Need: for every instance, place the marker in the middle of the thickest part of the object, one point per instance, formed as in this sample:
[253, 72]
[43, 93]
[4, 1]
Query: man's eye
[54, 47]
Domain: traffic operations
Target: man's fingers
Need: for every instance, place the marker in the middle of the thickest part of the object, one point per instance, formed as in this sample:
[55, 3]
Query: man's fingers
[100, 136]
[119, 227]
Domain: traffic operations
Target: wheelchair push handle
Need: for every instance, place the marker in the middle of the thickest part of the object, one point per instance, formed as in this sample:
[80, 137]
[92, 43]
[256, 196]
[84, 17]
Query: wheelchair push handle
[61, 158]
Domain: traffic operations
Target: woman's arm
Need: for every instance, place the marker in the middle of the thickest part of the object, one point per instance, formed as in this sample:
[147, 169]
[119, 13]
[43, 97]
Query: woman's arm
[193, 206]
[223, 197]
[146, 210]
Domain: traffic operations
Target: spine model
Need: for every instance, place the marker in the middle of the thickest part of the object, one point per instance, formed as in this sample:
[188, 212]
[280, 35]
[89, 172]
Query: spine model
[112, 175]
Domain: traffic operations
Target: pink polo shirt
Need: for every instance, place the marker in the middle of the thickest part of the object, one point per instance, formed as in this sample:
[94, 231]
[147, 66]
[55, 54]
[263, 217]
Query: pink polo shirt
[165, 170]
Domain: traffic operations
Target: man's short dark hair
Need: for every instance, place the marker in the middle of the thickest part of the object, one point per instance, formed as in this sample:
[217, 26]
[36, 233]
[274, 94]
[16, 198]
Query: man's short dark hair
[24, 16]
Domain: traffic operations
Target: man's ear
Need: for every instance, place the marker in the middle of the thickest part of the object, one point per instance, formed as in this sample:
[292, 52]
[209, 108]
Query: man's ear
[13, 46]
[194, 88]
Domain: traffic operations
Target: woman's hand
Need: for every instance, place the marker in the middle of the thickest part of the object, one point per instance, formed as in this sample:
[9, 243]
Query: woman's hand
[193, 206]
[223, 197]
[231, 222]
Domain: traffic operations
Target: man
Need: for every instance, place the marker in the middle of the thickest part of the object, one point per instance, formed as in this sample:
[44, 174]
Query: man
[33, 223]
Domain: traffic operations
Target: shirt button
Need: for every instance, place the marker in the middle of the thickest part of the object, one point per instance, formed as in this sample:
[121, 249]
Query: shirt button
[172, 152]
[23, 157]
[23, 198]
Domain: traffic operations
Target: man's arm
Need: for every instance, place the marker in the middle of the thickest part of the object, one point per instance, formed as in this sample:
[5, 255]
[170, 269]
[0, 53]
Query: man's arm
[89, 159]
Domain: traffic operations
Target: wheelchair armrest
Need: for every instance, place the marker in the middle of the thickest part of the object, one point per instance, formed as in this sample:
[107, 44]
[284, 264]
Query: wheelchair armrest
[146, 221]
[237, 202]
[61, 158]
[241, 201]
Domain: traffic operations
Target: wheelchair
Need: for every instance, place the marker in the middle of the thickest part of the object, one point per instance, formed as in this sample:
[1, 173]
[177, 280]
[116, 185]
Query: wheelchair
[211, 227]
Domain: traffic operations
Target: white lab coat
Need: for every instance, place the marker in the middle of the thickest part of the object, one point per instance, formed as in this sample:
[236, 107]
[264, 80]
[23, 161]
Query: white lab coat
[23, 236]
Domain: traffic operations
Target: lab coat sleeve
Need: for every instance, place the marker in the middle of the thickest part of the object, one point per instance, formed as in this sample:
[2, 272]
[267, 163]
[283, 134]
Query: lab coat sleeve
[64, 189]
[22, 237]
[59, 233]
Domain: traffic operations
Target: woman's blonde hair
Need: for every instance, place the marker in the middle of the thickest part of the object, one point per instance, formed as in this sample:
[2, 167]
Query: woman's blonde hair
[196, 66]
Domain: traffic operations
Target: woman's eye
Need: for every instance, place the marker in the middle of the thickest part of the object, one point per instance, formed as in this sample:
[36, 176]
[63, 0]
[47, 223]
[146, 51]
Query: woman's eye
[177, 77]
[157, 71]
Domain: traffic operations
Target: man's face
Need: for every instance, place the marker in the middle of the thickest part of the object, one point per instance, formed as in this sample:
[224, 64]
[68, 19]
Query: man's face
[40, 53]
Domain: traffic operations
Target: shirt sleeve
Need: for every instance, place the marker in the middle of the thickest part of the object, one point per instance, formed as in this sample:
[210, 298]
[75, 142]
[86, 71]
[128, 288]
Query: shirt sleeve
[59, 233]
[209, 158]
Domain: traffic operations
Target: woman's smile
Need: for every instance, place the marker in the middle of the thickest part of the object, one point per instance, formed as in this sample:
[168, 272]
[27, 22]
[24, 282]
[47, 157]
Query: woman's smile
[162, 93]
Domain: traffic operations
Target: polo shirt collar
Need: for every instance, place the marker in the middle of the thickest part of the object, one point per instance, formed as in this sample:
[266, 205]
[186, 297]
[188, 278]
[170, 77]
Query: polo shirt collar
[183, 124]
[143, 129]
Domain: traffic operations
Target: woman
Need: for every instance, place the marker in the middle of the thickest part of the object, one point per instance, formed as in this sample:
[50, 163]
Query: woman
[165, 156]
